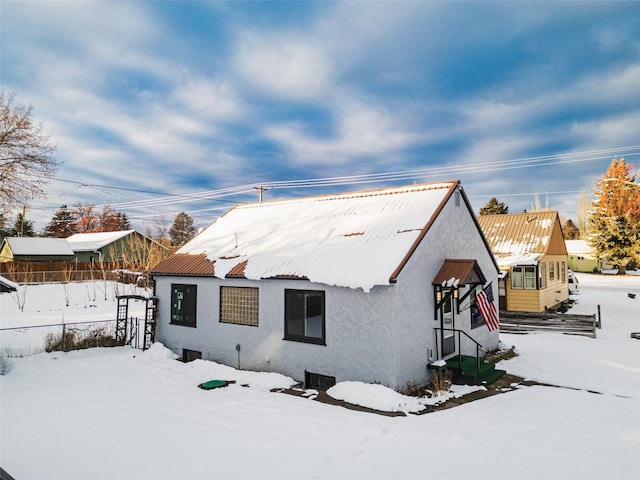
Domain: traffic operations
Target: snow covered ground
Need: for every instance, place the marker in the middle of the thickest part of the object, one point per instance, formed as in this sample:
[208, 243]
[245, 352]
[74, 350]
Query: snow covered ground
[119, 413]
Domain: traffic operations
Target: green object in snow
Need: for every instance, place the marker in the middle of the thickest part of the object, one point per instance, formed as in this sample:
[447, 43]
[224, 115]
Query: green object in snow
[213, 384]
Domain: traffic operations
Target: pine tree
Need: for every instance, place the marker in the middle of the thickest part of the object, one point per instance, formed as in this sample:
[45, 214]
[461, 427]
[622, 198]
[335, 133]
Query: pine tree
[4, 231]
[23, 227]
[182, 229]
[62, 225]
[493, 207]
[614, 221]
[570, 231]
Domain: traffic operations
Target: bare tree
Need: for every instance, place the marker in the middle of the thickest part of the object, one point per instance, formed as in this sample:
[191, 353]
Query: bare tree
[20, 295]
[67, 273]
[584, 206]
[26, 161]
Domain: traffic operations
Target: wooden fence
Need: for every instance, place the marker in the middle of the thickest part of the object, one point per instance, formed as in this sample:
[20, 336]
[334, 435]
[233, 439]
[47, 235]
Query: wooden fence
[522, 322]
[43, 272]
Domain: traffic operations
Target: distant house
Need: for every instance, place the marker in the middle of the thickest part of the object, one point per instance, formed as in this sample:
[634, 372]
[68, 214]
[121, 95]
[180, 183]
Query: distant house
[582, 257]
[108, 246]
[366, 286]
[32, 249]
[531, 252]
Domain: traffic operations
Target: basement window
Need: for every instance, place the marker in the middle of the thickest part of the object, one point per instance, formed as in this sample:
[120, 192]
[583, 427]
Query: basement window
[239, 305]
[317, 381]
[190, 355]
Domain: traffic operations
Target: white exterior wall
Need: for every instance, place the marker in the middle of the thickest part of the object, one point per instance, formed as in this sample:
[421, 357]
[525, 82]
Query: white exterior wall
[358, 330]
[453, 235]
[381, 336]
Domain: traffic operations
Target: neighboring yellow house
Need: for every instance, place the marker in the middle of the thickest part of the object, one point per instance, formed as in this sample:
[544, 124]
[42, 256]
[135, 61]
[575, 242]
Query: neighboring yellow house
[582, 257]
[532, 255]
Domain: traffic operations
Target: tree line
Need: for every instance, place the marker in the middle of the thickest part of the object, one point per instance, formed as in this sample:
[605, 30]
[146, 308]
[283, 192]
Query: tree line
[84, 218]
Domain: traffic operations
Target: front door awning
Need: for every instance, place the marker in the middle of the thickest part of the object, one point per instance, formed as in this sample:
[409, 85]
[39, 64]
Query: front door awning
[459, 273]
[453, 274]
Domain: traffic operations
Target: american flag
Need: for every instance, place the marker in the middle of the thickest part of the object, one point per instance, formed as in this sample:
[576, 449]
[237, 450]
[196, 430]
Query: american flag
[487, 308]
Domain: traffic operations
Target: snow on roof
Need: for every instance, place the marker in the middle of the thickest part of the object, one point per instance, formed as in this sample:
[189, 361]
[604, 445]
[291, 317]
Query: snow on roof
[8, 283]
[39, 246]
[519, 238]
[578, 246]
[355, 240]
[83, 242]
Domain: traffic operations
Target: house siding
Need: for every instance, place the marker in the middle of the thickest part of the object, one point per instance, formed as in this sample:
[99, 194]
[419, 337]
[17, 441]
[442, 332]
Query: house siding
[357, 344]
[556, 292]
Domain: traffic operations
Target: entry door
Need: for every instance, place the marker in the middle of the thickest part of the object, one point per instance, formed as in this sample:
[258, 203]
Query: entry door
[446, 322]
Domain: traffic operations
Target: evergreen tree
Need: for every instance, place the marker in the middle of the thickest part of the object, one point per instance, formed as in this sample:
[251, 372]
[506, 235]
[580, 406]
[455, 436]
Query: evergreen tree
[22, 227]
[182, 229]
[493, 207]
[4, 232]
[614, 221]
[62, 225]
[570, 231]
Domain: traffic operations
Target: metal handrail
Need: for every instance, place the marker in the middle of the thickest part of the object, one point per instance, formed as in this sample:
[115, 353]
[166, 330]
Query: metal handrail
[478, 346]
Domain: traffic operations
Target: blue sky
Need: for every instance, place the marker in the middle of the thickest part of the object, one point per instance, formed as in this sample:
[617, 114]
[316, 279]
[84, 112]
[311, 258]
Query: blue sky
[162, 107]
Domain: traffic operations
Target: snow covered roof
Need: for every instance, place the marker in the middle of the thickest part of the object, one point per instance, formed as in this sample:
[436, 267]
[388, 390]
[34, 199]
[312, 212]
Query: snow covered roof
[39, 246]
[355, 240]
[519, 238]
[8, 284]
[89, 242]
[579, 246]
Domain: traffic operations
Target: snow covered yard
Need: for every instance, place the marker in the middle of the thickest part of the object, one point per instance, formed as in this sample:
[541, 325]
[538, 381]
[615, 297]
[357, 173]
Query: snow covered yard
[120, 413]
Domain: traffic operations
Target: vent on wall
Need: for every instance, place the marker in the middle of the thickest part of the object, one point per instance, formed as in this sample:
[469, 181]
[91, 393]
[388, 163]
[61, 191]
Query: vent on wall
[317, 381]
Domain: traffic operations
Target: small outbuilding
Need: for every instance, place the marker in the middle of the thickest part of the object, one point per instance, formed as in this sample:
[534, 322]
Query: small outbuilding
[367, 286]
[35, 249]
[108, 246]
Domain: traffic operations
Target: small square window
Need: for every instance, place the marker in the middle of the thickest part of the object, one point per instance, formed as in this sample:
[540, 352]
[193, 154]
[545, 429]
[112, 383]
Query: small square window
[239, 305]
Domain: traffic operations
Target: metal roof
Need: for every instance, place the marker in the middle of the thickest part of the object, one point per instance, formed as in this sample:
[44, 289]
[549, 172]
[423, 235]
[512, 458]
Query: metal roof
[459, 272]
[39, 246]
[358, 239]
[519, 238]
[89, 242]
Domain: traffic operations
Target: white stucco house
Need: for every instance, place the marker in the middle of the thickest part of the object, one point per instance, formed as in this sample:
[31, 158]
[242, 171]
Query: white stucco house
[367, 286]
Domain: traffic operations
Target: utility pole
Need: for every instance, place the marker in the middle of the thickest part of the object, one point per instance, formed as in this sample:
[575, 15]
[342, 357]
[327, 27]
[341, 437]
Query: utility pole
[260, 190]
[24, 213]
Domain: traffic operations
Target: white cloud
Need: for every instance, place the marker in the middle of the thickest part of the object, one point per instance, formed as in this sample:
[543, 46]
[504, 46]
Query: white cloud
[285, 65]
[209, 98]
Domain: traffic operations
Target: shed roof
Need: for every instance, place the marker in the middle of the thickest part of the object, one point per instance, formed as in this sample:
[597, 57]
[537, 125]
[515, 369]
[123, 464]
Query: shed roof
[356, 239]
[89, 242]
[8, 285]
[519, 238]
[33, 246]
